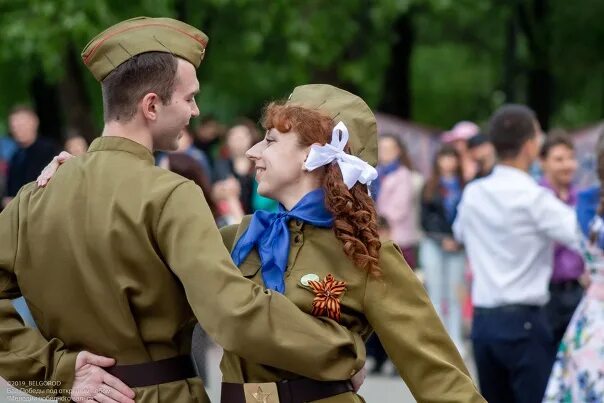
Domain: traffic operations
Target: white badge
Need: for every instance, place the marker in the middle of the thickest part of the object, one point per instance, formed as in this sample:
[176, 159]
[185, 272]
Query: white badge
[308, 277]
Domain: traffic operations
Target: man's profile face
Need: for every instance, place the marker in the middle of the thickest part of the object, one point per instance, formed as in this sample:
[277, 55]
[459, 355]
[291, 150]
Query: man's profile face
[484, 154]
[173, 117]
[24, 127]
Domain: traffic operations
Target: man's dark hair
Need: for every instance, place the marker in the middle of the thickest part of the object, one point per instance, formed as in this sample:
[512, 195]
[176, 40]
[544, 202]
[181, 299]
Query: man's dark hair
[477, 140]
[22, 108]
[510, 127]
[555, 138]
[125, 86]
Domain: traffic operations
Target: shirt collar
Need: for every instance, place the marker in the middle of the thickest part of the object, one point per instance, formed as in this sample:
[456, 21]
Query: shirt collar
[115, 143]
[545, 183]
[572, 192]
[508, 170]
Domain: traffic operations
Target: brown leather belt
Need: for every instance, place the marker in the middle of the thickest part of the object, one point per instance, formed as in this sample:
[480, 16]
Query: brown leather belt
[292, 391]
[155, 372]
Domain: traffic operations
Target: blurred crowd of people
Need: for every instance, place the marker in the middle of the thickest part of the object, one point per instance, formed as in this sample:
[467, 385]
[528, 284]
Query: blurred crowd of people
[512, 276]
[212, 155]
[416, 212]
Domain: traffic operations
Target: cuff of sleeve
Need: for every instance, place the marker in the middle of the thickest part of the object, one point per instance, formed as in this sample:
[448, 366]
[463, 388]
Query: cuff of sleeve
[65, 373]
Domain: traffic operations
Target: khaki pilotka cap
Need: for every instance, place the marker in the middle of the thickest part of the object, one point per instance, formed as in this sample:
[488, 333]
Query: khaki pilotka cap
[129, 38]
[346, 107]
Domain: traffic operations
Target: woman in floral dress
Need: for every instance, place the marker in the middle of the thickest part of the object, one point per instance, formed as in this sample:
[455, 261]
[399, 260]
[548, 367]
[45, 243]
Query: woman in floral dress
[578, 373]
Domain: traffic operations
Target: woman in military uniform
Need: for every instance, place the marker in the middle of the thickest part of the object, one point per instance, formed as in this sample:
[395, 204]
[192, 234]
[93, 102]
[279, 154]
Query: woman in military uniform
[322, 251]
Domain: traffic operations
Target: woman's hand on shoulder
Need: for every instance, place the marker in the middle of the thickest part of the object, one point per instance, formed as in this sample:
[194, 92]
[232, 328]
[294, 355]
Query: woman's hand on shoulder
[50, 169]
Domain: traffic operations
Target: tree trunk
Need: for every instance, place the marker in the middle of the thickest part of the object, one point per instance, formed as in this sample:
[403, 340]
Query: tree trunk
[75, 103]
[509, 62]
[331, 76]
[540, 79]
[46, 101]
[396, 98]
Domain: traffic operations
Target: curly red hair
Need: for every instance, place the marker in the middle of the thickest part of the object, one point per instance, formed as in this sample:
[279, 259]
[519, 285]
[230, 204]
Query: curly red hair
[355, 218]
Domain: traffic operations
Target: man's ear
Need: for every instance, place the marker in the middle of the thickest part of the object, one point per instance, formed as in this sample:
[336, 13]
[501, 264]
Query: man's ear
[524, 150]
[149, 105]
[531, 147]
[541, 162]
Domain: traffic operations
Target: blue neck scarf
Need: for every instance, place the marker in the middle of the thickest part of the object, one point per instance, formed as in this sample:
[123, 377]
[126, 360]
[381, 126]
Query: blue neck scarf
[269, 233]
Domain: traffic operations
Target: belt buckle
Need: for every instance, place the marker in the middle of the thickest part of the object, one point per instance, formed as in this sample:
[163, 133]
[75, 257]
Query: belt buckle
[261, 392]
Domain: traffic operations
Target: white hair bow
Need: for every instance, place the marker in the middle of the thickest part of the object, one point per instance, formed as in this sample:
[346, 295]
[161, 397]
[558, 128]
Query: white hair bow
[353, 168]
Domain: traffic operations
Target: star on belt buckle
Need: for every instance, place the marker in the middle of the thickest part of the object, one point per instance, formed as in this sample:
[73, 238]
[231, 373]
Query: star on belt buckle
[261, 392]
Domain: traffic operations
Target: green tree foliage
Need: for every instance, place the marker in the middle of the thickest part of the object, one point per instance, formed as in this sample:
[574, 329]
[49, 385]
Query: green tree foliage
[260, 49]
[460, 62]
[457, 63]
[577, 40]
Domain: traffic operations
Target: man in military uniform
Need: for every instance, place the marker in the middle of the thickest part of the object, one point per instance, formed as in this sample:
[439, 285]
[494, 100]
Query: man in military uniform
[117, 257]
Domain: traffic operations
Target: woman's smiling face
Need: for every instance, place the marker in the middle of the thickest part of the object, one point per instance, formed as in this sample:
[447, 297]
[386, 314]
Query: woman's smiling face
[279, 162]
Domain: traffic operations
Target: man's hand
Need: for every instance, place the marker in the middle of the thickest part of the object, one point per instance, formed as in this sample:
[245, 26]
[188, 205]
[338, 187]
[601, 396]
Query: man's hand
[585, 279]
[52, 167]
[358, 379]
[93, 384]
[450, 245]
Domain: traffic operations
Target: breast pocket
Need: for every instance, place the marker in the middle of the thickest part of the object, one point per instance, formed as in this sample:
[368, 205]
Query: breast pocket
[250, 268]
[324, 301]
[300, 295]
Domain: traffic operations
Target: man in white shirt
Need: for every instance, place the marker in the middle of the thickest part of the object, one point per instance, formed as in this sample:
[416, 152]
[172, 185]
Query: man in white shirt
[509, 225]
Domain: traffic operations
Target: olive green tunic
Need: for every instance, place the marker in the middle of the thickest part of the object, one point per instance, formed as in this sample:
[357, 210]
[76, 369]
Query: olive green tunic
[112, 256]
[395, 306]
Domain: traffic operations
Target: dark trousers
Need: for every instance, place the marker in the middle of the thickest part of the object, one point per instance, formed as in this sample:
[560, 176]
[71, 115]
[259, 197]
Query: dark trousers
[514, 353]
[564, 299]
[410, 255]
[376, 350]
[200, 343]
